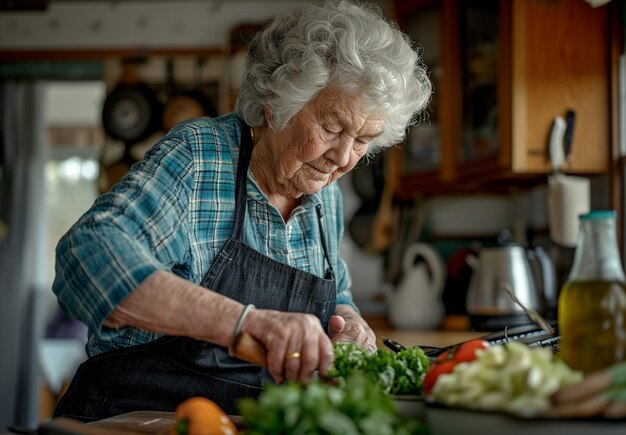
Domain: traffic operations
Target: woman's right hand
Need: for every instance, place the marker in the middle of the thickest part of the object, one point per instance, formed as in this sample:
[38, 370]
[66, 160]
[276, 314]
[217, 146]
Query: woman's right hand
[287, 335]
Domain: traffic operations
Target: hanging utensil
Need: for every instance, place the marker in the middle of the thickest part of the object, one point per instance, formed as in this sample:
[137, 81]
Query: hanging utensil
[182, 105]
[367, 181]
[383, 221]
[131, 111]
[131, 114]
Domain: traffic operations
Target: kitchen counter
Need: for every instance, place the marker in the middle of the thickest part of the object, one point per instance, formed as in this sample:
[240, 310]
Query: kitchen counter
[410, 338]
[439, 420]
[437, 338]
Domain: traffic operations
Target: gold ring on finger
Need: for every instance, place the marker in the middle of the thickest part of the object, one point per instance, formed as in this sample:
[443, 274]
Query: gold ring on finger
[293, 355]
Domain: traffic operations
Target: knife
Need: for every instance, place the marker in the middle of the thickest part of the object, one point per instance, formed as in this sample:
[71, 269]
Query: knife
[249, 349]
[570, 119]
[557, 154]
[393, 345]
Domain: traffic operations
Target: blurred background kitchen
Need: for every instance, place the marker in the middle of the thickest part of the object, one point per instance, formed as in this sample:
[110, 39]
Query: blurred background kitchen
[525, 131]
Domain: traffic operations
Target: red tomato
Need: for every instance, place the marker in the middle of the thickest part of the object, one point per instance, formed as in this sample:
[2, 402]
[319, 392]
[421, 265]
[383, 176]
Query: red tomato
[448, 354]
[464, 352]
[446, 361]
[433, 373]
[467, 351]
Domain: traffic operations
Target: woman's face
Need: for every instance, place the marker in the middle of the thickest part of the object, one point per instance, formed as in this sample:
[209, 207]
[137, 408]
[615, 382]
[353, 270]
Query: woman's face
[323, 141]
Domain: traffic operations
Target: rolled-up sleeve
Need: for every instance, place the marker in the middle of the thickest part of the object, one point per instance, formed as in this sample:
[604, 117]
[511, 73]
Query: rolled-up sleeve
[135, 229]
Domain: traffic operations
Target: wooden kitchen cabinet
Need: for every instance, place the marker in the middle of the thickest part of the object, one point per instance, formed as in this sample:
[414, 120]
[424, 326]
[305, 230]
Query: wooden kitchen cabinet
[502, 70]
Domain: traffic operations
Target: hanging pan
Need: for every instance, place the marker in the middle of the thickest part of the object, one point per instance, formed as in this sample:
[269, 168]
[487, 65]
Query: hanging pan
[185, 104]
[131, 113]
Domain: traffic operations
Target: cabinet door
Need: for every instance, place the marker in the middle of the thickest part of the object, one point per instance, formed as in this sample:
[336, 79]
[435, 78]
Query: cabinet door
[505, 69]
[560, 61]
[422, 147]
[481, 52]
[431, 147]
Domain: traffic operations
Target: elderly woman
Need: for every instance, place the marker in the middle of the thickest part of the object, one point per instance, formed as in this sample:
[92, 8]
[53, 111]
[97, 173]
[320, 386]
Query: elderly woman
[234, 224]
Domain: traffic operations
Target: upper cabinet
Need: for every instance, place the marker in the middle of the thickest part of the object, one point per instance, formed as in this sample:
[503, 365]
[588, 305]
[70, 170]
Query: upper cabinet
[502, 71]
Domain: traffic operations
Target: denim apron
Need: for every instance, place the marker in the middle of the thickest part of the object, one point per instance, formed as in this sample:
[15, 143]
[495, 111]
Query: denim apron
[161, 374]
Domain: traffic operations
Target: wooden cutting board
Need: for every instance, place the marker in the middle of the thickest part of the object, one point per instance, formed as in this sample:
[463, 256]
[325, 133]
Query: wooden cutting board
[147, 422]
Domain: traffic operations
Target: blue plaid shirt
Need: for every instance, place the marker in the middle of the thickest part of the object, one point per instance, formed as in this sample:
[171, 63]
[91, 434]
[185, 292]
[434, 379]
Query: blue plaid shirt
[174, 211]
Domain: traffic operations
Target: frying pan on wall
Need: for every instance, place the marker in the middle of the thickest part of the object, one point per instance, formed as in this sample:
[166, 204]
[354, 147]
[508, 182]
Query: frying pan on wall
[131, 113]
[367, 181]
[185, 104]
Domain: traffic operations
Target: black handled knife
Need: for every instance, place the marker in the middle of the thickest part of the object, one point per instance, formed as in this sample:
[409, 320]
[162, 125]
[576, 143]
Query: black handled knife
[570, 119]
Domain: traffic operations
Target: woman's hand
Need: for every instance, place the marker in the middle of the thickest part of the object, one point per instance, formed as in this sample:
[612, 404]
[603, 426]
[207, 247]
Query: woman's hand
[296, 343]
[347, 325]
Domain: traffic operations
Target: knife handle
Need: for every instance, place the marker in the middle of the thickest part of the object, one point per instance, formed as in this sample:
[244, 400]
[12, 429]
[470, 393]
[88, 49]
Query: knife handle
[249, 349]
[570, 119]
[393, 345]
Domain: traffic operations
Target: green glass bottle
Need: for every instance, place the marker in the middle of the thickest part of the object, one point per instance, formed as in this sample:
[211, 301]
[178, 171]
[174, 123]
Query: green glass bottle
[592, 303]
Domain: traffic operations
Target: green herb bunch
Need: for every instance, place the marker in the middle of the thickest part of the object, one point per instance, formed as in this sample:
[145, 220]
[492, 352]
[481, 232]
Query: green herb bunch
[358, 407]
[399, 373]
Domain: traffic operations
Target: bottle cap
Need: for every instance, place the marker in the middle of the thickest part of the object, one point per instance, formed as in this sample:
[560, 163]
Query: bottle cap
[598, 214]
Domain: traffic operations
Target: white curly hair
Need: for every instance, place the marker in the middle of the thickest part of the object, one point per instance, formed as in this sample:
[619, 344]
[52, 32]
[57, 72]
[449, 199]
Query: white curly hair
[338, 44]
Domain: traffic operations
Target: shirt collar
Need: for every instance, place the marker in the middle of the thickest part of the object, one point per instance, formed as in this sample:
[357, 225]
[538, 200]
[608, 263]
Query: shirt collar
[256, 194]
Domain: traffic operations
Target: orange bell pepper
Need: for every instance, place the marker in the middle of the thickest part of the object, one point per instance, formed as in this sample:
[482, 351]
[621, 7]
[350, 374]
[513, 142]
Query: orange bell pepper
[201, 416]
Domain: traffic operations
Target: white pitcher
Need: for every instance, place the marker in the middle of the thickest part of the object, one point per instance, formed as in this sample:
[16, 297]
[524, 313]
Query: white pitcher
[416, 303]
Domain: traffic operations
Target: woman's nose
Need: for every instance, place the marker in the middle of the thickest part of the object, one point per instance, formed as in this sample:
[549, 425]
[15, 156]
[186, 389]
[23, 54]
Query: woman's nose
[340, 154]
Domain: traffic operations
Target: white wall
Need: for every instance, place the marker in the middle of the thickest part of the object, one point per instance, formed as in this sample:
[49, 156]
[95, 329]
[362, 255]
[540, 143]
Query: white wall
[144, 24]
[137, 24]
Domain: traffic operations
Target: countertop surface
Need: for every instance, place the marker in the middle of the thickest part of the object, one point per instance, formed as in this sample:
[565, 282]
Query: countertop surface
[440, 421]
[410, 338]
[435, 338]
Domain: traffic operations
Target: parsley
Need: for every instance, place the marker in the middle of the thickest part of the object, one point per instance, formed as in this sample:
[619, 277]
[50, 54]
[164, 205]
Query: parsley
[359, 407]
[400, 373]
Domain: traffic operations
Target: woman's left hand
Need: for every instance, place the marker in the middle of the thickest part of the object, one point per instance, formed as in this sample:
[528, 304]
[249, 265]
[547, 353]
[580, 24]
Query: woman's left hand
[347, 326]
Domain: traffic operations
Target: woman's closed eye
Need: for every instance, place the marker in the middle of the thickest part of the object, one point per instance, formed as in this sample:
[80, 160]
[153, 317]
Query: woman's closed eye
[361, 142]
[331, 131]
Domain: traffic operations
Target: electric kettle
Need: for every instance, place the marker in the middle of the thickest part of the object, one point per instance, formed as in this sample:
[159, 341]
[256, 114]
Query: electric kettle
[529, 273]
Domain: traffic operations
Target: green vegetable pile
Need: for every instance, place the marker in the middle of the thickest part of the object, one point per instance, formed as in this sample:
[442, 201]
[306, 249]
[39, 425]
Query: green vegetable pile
[357, 408]
[399, 373]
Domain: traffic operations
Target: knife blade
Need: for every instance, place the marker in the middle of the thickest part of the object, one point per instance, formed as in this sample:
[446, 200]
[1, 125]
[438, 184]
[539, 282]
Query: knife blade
[557, 154]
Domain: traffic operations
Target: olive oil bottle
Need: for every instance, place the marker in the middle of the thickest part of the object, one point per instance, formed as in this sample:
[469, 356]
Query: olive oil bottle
[592, 303]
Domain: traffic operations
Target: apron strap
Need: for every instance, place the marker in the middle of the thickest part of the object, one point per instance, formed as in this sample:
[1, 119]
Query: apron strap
[330, 273]
[245, 152]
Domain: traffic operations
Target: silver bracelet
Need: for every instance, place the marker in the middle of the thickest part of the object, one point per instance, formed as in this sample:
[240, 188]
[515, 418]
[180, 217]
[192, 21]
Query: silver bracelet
[239, 324]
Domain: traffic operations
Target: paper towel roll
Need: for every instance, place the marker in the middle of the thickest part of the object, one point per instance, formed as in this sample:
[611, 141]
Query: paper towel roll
[568, 197]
